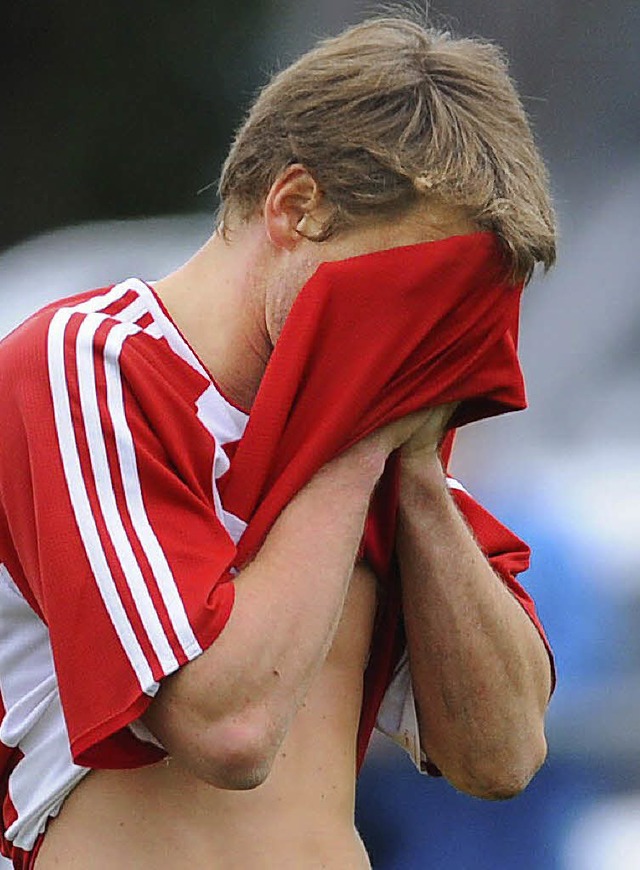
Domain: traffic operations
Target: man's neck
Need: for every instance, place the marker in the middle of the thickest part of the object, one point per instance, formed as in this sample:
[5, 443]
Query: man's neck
[217, 301]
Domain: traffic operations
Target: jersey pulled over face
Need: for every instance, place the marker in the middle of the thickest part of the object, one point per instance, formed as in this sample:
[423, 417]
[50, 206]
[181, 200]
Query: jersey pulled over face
[419, 223]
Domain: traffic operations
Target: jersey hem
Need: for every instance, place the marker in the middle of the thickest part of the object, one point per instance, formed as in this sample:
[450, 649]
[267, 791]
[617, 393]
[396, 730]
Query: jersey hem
[86, 749]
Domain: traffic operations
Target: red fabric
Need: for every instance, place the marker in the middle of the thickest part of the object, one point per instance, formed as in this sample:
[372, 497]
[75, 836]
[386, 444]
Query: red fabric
[51, 562]
[367, 341]
[113, 549]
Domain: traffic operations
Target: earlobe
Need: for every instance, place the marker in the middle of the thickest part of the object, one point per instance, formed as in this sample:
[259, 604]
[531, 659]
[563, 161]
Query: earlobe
[289, 206]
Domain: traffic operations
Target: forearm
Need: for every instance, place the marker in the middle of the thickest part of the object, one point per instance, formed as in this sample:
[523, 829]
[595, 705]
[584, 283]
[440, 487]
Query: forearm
[480, 670]
[246, 688]
[290, 599]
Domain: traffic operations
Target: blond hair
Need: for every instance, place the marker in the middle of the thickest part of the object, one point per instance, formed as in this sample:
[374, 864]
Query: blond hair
[391, 111]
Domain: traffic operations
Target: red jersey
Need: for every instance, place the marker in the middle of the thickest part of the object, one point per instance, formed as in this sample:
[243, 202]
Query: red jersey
[122, 519]
[114, 544]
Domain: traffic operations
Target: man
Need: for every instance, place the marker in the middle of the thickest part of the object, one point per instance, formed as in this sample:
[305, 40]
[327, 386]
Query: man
[182, 664]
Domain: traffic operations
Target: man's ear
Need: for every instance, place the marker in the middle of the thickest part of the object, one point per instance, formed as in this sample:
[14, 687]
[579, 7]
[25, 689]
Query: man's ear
[291, 207]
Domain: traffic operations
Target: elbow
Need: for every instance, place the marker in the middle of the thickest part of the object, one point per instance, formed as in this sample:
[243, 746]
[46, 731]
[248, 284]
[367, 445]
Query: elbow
[235, 755]
[510, 777]
[503, 785]
[239, 755]
[501, 775]
[229, 746]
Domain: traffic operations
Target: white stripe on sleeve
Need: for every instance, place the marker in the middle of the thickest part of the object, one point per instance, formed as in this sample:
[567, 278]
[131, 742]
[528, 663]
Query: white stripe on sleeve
[133, 494]
[104, 484]
[452, 483]
[81, 504]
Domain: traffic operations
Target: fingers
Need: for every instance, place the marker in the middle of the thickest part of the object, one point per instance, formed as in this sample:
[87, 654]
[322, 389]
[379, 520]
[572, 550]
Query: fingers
[428, 436]
[425, 426]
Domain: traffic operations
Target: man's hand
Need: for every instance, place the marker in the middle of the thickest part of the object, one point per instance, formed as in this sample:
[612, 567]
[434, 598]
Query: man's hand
[416, 434]
[426, 438]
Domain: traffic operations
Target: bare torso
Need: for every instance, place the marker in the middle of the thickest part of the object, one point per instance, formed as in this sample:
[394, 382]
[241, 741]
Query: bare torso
[161, 816]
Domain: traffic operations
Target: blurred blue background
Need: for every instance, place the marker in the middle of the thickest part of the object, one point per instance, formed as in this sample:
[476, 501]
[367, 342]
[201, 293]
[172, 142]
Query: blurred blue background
[115, 118]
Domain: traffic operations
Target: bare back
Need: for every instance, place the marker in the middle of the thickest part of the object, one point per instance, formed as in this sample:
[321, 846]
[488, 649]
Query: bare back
[301, 817]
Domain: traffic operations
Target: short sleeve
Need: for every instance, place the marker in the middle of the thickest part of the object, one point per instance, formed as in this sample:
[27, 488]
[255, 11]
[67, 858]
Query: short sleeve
[508, 555]
[115, 525]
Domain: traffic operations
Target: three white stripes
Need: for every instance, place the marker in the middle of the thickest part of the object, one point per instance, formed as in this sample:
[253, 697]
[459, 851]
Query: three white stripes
[128, 471]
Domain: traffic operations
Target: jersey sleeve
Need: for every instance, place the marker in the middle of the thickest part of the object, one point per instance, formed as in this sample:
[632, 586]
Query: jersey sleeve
[508, 556]
[115, 526]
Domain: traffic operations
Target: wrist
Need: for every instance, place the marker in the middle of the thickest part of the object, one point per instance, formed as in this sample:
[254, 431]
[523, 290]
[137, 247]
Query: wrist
[423, 484]
[361, 466]
[422, 466]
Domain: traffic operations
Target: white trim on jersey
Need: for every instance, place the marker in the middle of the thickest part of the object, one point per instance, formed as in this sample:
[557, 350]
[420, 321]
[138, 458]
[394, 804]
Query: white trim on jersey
[215, 414]
[33, 721]
[452, 483]
[224, 421]
[176, 342]
[132, 312]
[231, 420]
[153, 330]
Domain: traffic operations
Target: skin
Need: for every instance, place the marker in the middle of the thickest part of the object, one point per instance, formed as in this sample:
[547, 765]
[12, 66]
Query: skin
[261, 768]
